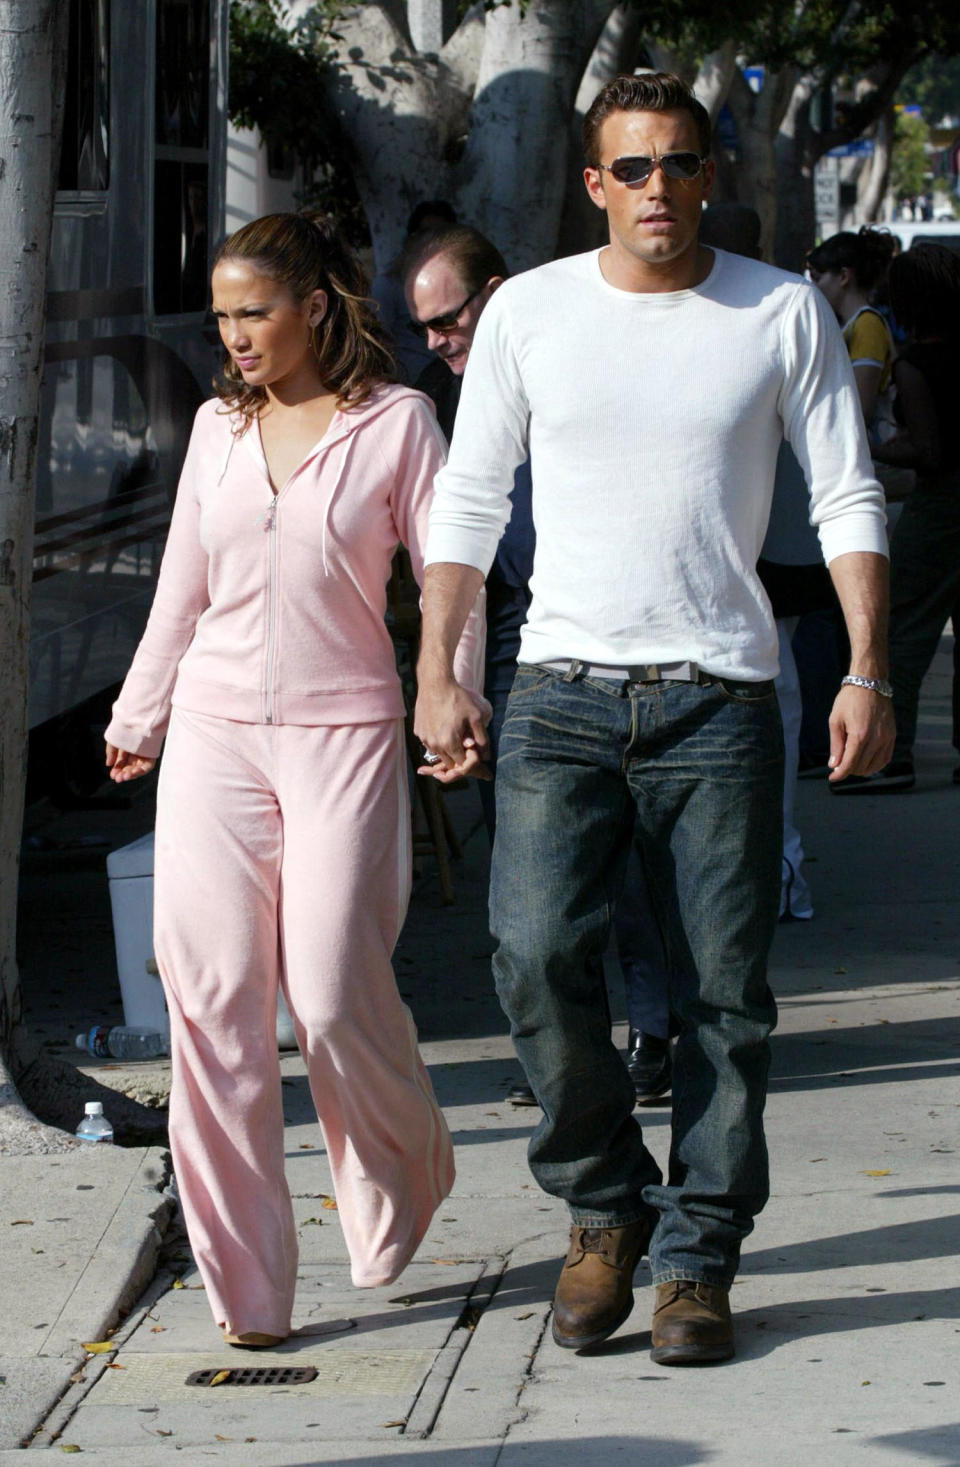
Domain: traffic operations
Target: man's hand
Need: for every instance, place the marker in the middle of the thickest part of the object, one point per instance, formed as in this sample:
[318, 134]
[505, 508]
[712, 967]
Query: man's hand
[862, 732]
[451, 722]
[124, 766]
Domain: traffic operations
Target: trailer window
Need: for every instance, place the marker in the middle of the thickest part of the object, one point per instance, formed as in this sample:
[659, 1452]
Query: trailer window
[182, 156]
[85, 155]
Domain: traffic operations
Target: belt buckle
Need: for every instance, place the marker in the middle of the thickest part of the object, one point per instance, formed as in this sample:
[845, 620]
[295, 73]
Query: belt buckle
[650, 673]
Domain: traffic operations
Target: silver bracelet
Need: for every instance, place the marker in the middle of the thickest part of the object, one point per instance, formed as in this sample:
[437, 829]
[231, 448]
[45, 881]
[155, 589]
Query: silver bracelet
[874, 684]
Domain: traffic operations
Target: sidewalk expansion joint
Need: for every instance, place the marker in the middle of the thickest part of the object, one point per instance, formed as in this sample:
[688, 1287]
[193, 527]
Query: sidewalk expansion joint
[429, 1399]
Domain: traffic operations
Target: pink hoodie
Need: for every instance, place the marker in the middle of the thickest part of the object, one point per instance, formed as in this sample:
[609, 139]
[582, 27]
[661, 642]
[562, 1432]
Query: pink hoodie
[269, 609]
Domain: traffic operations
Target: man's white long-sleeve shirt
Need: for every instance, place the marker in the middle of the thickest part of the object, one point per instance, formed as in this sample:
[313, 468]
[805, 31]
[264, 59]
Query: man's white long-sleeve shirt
[653, 424]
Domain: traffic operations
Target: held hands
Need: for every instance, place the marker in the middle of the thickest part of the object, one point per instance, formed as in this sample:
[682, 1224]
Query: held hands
[862, 733]
[124, 766]
[451, 722]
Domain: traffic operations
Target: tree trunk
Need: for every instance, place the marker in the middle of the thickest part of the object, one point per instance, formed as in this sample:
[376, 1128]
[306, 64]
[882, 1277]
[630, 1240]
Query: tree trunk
[583, 226]
[511, 181]
[874, 179]
[33, 41]
[796, 212]
[758, 117]
[385, 99]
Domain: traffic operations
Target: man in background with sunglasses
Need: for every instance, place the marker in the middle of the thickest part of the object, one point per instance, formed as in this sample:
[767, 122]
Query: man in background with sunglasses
[449, 276]
[652, 382]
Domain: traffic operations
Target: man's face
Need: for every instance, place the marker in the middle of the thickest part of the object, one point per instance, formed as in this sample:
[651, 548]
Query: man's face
[435, 290]
[653, 224]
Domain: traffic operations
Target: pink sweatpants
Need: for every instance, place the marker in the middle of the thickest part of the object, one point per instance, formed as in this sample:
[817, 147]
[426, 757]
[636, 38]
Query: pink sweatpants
[283, 855]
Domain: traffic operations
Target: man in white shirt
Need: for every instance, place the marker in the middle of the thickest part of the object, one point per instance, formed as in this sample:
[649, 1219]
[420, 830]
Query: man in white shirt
[652, 382]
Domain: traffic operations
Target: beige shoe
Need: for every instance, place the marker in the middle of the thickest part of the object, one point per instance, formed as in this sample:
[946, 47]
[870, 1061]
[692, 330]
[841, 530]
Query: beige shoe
[595, 1290]
[253, 1341]
[691, 1324]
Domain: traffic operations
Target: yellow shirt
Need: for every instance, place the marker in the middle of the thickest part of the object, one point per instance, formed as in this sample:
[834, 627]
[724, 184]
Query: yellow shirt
[869, 343]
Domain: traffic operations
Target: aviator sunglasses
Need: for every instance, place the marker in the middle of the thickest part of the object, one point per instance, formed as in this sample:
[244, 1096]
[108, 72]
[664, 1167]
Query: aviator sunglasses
[449, 321]
[684, 166]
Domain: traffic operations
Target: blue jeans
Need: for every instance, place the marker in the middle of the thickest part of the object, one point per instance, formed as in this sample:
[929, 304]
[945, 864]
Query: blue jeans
[700, 770]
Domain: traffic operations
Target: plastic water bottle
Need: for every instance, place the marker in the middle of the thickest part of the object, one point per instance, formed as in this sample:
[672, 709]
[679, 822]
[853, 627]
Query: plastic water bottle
[122, 1043]
[94, 1126]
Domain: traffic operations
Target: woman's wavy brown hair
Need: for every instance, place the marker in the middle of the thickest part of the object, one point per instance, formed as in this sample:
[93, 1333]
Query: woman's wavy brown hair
[306, 252]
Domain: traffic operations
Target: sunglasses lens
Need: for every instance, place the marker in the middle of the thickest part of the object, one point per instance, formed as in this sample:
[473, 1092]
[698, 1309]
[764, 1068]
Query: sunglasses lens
[632, 170]
[680, 165]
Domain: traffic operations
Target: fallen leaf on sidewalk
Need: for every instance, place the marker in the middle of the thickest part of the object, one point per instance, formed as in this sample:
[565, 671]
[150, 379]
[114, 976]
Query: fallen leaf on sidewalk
[220, 1377]
[178, 1283]
[307, 1146]
[329, 1203]
[157, 1329]
[446, 1262]
[879, 1173]
[223, 1438]
[114, 1366]
[528, 1315]
[70, 1447]
[401, 1422]
[22, 1222]
[161, 1432]
[314, 1221]
[99, 1347]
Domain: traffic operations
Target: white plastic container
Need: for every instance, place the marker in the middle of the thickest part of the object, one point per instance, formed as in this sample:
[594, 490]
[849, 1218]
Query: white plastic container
[130, 873]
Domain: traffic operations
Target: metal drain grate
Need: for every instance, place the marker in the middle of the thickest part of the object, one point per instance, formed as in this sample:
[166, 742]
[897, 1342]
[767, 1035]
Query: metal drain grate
[255, 1375]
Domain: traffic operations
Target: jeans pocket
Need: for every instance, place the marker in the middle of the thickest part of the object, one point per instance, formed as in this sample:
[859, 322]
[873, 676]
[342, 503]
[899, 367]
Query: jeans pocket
[529, 679]
[751, 693]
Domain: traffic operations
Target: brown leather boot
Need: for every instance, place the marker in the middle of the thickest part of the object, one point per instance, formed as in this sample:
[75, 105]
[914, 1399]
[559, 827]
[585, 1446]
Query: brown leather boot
[691, 1324]
[595, 1289]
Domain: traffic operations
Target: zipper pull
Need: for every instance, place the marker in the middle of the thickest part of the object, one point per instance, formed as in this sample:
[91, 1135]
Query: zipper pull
[269, 515]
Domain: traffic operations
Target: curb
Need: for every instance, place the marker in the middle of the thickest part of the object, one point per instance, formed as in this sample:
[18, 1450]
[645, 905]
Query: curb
[124, 1260]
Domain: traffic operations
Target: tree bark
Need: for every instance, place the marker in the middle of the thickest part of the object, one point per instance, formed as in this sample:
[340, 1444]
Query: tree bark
[33, 41]
[800, 147]
[874, 179]
[533, 61]
[583, 226]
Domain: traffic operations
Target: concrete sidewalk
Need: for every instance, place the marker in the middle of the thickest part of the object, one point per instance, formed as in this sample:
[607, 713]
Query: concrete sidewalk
[848, 1306]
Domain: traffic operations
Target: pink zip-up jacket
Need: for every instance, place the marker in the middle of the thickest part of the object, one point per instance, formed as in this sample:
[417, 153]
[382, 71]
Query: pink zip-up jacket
[270, 608]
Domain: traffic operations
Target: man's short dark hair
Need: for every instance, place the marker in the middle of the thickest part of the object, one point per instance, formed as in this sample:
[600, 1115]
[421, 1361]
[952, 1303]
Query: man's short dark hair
[732, 226]
[474, 257]
[652, 91]
[430, 209]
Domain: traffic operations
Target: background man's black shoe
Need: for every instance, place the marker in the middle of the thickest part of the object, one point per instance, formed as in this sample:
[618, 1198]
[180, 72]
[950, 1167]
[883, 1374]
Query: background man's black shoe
[521, 1095]
[649, 1065]
[898, 775]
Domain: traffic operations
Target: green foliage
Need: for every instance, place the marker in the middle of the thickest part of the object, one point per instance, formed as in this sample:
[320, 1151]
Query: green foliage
[277, 86]
[934, 85]
[909, 170]
[273, 83]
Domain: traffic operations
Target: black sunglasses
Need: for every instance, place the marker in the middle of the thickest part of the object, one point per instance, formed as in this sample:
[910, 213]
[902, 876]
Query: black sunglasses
[449, 321]
[684, 166]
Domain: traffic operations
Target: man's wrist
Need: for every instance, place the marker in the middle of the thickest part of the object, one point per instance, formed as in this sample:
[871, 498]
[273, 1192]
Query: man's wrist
[879, 685]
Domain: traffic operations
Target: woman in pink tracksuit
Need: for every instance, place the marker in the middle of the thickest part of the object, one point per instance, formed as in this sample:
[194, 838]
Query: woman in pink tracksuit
[282, 843]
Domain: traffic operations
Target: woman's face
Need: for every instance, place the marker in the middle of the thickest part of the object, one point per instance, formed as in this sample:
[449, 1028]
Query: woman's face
[266, 331]
[830, 283]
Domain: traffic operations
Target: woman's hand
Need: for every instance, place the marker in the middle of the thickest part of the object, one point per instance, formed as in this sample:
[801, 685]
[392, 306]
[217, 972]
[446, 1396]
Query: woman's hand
[124, 766]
